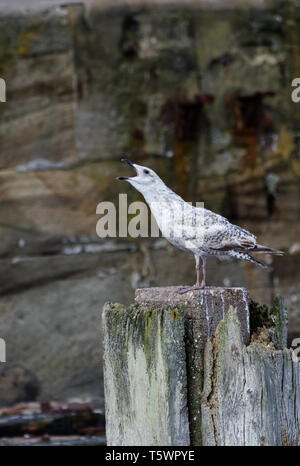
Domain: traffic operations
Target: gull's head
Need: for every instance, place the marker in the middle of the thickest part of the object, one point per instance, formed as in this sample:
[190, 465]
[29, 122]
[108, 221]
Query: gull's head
[145, 178]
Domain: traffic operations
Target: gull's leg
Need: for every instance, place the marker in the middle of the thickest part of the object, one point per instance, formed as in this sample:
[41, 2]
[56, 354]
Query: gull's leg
[197, 285]
[203, 283]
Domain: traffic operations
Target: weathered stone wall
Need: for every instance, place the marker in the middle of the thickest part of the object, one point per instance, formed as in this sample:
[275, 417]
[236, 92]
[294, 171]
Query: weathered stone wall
[200, 95]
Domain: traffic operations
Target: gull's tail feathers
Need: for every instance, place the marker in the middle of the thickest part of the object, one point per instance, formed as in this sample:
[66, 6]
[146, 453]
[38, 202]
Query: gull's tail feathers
[247, 257]
[260, 249]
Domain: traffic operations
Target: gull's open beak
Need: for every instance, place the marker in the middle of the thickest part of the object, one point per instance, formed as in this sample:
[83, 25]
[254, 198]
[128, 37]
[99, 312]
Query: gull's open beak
[125, 178]
[128, 161]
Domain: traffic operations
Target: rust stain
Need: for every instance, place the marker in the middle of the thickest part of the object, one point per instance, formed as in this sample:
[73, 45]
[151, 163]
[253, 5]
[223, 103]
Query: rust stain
[250, 123]
[286, 144]
[174, 315]
[184, 117]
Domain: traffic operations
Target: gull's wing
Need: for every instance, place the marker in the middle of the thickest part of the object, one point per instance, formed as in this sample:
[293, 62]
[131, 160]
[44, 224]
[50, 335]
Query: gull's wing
[223, 236]
[218, 236]
[215, 232]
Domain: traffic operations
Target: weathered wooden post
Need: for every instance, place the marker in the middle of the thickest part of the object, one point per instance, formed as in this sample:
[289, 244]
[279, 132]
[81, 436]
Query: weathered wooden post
[180, 370]
[153, 362]
[145, 376]
[251, 394]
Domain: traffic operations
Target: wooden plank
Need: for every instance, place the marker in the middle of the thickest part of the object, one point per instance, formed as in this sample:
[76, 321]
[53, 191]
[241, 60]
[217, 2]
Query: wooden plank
[145, 376]
[251, 394]
[204, 310]
[152, 352]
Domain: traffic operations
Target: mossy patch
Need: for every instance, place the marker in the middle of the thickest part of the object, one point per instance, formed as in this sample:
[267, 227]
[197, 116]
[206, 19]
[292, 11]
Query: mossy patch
[273, 319]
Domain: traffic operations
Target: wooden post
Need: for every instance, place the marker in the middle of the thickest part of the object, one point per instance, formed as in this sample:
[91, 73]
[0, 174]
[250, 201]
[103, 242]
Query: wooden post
[180, 370]
[203, 310]
[251, 394]
[153, 362]
[145, 376]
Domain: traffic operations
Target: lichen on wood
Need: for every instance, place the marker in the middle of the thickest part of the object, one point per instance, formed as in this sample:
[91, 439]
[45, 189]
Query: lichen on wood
[270, 322]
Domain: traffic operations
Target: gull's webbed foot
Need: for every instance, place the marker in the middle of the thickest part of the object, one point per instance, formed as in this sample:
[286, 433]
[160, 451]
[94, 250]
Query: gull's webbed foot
[192, 288]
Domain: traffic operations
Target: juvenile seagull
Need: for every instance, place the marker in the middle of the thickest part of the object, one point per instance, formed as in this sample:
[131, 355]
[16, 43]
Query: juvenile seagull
[194, 229]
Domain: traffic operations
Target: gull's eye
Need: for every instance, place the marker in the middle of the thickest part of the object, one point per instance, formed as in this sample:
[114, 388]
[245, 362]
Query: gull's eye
[146, 172]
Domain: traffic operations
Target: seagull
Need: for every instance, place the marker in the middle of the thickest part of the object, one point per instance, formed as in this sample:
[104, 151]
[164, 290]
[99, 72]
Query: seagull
[194, 229]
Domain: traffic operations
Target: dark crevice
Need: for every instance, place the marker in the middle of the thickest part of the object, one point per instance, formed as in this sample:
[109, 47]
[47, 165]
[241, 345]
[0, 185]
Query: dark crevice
[129, 42]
